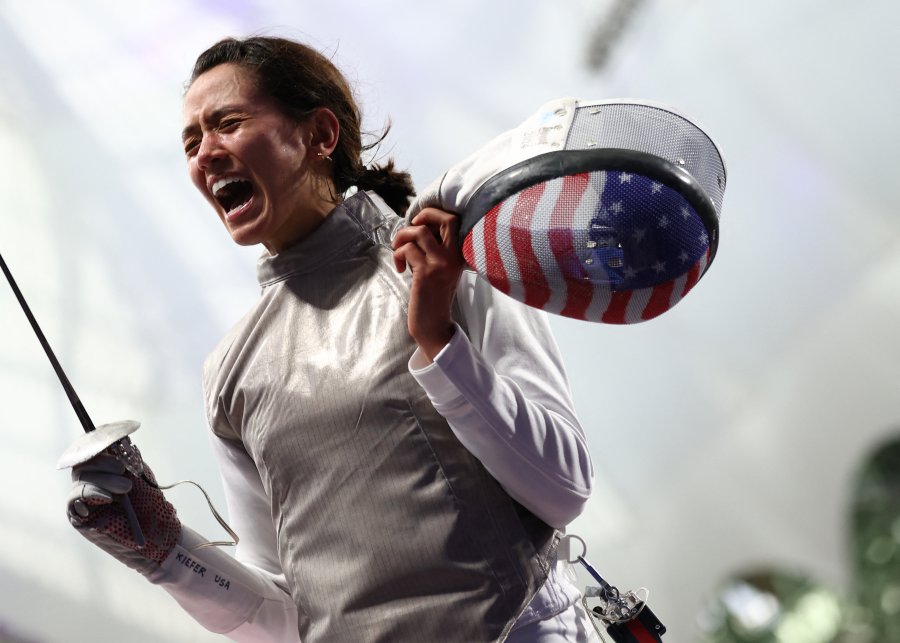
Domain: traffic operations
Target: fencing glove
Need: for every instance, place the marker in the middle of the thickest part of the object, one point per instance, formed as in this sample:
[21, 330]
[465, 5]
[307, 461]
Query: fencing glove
[95, 508]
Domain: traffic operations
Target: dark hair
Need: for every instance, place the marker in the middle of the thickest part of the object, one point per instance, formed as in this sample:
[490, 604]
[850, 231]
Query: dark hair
[301, 80]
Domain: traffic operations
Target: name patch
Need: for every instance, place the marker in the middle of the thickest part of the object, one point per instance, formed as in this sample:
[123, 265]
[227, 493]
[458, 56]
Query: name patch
[196, 567]
[191, 564]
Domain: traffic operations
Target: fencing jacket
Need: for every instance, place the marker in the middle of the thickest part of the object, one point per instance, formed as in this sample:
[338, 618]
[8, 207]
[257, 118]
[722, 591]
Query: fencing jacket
[387, 527]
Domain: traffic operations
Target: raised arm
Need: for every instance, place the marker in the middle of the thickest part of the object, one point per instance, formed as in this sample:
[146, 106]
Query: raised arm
[504, 391]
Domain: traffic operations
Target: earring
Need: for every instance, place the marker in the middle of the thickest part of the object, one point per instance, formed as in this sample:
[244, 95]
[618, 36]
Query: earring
[324, 157]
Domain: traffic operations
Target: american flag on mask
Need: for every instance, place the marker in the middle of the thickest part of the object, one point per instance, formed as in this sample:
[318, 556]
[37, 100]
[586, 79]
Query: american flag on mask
[601, 246]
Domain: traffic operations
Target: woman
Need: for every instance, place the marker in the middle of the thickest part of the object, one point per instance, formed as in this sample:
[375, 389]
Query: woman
[398, 447]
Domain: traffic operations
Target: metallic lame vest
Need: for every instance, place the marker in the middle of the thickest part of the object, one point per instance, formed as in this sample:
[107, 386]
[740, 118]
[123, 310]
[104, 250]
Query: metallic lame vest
[388, 529]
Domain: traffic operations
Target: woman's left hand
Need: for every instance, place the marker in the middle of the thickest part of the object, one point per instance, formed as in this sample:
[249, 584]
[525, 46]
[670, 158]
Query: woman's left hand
[430, 247]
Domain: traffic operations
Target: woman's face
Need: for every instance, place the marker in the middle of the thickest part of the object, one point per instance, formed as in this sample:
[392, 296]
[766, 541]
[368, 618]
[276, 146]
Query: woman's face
[249, 159]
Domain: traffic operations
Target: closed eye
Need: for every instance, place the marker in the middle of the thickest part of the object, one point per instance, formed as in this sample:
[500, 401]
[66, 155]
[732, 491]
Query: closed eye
[227, 124]
[191, 145]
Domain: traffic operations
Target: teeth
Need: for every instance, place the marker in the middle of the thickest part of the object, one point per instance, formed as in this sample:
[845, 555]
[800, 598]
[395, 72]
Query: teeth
[221, 183]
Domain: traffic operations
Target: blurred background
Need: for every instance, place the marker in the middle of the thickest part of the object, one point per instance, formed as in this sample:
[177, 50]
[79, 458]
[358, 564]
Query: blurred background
[747, 443]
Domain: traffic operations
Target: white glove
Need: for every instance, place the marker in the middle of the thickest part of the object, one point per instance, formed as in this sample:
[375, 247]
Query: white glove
[95, 508]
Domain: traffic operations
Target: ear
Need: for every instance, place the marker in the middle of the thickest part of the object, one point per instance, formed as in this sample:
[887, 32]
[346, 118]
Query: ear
[324, 131]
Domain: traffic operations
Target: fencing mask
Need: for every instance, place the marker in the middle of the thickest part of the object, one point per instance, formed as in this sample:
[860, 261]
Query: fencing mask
[603, 211]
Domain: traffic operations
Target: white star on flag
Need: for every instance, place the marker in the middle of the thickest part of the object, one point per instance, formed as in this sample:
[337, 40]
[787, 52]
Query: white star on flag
[639, 234]
[656, 187]
[659, 267]
[624, 178]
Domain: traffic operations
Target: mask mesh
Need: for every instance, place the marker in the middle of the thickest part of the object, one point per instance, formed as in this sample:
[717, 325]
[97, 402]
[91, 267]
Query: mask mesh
[654, 130]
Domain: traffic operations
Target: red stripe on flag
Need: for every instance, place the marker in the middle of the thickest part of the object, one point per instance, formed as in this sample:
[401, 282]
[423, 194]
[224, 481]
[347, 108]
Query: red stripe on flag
[579, 291]
[618, 306]
[537, 293]
[660, 297]
[468, 251]
[493, 262]
[693, 275]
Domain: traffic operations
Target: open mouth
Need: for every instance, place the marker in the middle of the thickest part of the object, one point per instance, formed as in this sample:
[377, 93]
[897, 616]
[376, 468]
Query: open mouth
[232, 194]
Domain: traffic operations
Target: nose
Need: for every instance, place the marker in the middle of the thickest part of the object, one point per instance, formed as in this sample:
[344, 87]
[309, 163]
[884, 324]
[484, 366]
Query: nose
[208, 152]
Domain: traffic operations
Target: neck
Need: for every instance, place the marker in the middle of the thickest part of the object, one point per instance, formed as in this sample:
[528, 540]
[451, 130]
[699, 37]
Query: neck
[320, 202]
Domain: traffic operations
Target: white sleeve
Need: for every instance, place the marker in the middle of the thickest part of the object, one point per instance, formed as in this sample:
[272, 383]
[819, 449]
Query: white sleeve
[504, 392]
[224, 595]
[244, 597]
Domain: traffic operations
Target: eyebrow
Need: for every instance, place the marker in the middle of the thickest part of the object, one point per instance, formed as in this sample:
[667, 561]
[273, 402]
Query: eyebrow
[214, 117]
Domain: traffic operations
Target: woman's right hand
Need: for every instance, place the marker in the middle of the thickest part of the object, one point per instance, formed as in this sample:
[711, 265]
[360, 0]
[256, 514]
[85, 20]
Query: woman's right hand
[97, 508]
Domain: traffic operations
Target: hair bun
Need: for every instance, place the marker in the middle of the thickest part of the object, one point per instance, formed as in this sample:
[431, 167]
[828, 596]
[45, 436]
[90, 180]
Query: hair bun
[392, 185]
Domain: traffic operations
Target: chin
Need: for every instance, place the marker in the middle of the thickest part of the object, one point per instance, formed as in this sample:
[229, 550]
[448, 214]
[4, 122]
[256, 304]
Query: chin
[244, 237]
[247, 241]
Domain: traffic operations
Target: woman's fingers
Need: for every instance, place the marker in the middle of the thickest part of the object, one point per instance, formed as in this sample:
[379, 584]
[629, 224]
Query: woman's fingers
[409, 254]
[116, 484]
[423, 236]
[435, 235]
[444, 224]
